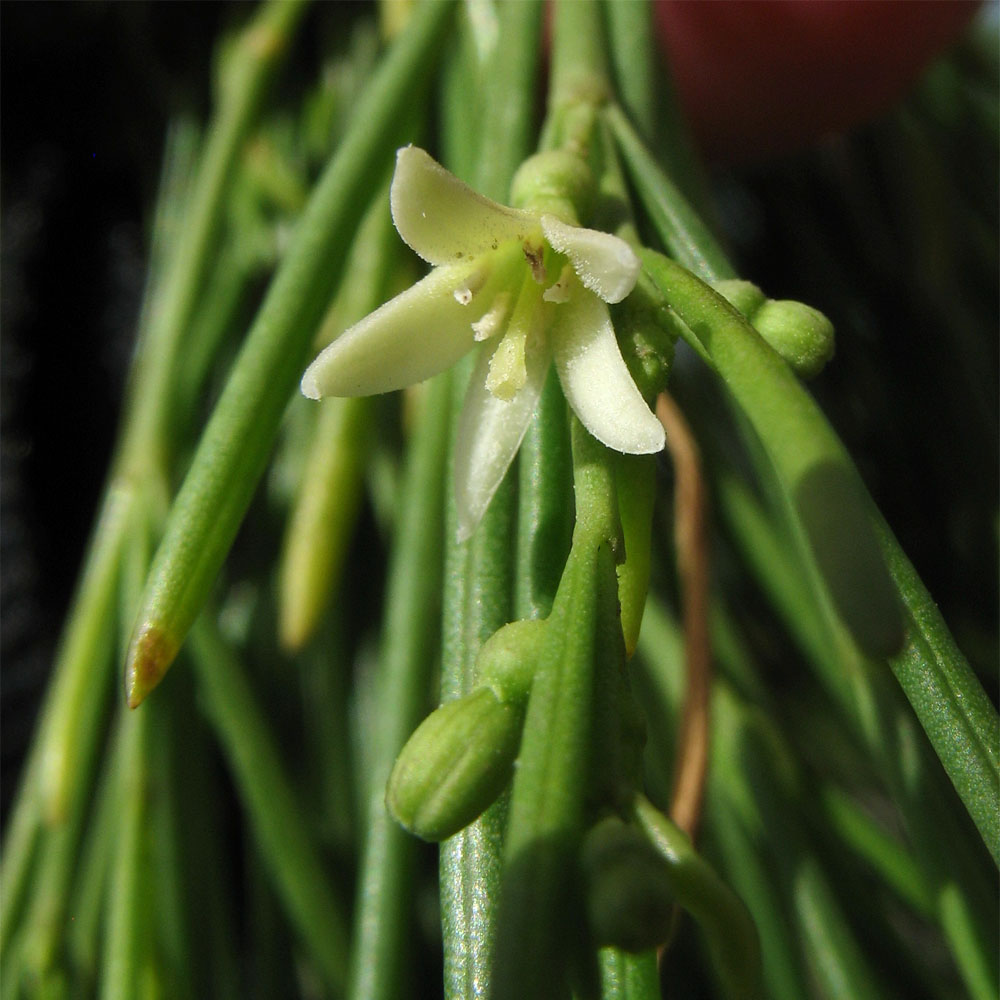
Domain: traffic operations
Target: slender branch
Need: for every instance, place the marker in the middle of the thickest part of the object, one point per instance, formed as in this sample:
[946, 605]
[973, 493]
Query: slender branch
[691, 765]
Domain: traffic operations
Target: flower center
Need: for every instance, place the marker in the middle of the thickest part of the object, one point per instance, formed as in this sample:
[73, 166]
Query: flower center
[508, 372]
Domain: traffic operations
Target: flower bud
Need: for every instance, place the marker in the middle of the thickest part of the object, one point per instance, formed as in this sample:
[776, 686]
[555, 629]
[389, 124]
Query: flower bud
[630, 903]
[507, 661]
[556, 182]
[742, 295]
[803, 336]
[454, 765]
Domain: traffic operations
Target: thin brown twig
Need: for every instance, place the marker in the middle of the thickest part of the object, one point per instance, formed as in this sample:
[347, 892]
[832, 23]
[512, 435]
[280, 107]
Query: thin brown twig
[691, 764]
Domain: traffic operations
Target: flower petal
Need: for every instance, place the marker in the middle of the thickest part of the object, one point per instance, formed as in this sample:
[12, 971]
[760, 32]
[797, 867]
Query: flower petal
[604, 263]
[596, 380]
[489, 433]
[443, 219]
[417, 334]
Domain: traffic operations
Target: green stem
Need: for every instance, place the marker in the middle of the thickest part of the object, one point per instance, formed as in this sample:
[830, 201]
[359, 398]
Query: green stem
[949, 700]
[78, 691]
[128, 944]
[754, 770]
[831, 506]
[201, 806]
[699, 890]
[752, 875]
[579, 72]
[832, 951]
[69, 731]
[279, 824]
[462, 76]
[221, 308]
[252, 64]
[508, 114]
[680, 227]
[886, 726]
[547, 800]
[58, 849]
[884, 853]
[477, 602]
[648, 95]
[328, 500]
[628, 977]
[168, 884]
[237, 441]
[20, 848]
[631, 41]
[323, 517]
[543, 504]
[96, 863]
[403, 686]
[478, 573]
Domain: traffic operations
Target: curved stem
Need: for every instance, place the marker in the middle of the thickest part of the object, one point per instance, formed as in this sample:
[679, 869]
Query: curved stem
[691, 765]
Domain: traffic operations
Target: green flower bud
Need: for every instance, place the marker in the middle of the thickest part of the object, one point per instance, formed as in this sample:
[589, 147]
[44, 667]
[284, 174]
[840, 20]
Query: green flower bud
[454, 765]
[646, 334]
[556, 182]
[507, 661]
[742, 295]
[630, 903]
[803, 336]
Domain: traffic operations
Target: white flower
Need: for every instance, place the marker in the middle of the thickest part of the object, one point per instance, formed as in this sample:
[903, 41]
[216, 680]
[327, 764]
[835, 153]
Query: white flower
[530, 289]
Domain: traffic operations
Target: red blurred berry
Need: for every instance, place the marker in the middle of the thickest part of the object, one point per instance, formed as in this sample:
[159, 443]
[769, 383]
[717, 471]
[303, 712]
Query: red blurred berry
[768, 77]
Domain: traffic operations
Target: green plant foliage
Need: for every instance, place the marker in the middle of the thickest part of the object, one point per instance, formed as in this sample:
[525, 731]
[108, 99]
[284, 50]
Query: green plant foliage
[461, 613]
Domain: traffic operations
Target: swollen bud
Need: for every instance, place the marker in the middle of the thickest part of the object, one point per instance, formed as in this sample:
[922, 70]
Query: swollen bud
[630, 902]
[803, 336]
[742, 295]
[455, 764]
[508, 659]
[556, 182]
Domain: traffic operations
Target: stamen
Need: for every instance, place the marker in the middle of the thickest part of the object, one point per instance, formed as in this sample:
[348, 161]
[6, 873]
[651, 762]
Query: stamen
[534, 256]
[508, 372]
[494, 319]
[559, 290]
[465, 293]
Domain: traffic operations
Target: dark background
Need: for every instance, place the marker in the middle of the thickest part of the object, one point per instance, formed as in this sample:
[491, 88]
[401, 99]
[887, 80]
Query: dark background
[86, 90]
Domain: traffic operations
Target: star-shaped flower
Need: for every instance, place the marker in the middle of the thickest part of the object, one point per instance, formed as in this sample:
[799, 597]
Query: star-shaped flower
[530, 289]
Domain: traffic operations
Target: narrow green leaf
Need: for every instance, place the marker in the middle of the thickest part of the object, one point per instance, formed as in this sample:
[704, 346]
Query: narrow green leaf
[252, 62]
[887, 856]
[816, 474]
[237, 441]
[949, 701]
[632, 46]
[685, 235]
[128, 935]
[958, 717]
[282, 833]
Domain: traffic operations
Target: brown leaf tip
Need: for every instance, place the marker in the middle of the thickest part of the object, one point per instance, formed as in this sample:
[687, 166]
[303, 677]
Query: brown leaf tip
[150, 654]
